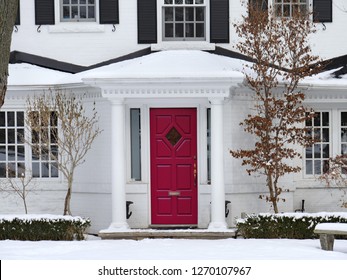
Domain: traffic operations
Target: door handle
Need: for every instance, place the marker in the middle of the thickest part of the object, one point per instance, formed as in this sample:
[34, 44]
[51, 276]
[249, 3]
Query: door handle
[195, 173]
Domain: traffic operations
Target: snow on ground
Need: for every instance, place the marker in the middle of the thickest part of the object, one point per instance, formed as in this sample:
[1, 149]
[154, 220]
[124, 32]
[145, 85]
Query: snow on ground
[171, 249]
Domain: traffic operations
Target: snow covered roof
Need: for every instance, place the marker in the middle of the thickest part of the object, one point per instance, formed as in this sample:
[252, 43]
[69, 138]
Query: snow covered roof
[164, 64]
[24, 74]
[167, 64]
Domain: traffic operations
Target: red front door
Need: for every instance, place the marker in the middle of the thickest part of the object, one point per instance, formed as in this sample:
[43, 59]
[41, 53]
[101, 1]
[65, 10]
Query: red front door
[173, 166]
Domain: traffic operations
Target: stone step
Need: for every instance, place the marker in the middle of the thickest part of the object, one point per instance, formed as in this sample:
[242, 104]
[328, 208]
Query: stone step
[138, 234]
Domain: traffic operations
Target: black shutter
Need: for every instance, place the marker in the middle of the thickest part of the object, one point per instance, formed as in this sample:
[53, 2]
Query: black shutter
[147, 21]
[109, 12]
[44, 12]
[17, 22]
[322, 11]
[219, 17]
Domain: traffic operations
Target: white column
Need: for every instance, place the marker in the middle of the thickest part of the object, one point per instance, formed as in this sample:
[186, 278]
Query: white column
[217, 166]
[119, 221]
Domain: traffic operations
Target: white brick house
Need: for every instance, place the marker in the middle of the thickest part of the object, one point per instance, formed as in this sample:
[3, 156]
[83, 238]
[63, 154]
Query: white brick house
[170, 100]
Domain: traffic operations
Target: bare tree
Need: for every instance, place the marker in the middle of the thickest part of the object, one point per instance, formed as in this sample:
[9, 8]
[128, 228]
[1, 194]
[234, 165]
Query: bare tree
[335, 176]
[62, 132]
[8, 13]
[282, 57]
[20, 186]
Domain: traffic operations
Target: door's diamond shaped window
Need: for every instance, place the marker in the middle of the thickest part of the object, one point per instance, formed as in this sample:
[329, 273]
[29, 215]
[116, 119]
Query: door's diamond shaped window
[173, 136]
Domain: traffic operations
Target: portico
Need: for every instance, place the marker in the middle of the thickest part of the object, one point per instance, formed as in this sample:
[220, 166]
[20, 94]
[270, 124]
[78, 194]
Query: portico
[188, 85]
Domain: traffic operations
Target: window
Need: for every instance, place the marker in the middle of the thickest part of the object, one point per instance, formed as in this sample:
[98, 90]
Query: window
[12, 148]
[77, 10]
[317, 156]
[184, 20]
[45, 148]
[135, 139]
[287, 8]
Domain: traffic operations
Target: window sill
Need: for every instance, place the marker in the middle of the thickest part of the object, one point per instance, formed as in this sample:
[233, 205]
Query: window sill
[183, 45]
[76, 27]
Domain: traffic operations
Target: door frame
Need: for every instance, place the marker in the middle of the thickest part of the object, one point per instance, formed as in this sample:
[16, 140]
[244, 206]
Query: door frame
[197, 114]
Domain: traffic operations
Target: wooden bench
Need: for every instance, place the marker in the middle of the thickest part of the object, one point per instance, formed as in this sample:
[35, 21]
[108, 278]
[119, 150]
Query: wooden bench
[327, 232]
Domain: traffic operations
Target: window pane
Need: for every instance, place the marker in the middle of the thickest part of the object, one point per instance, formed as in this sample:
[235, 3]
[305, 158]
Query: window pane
[2, 170]
[2, 153]
[200, 14]
[200, 30]
[343, 134]
[2, 136]
[309, 168]
[179, 14]
[199, 1]
[135, 135]
[317, 150]
[45, 170]
[74, 1]
[11, 136]
[309, 152]
[317, 167]
[66, 12]
[169, 30]
[83, 12]
[178, 1]
[325, 119]
[2, 118]
[326, 151]
[74, 12]
[11, 153]
[189, 2]
[20, 136]
[179, 30]
[10, 118]
[168, 14]
[325, 134]
[168, 1]
[344, 149]
[20, 153]
[35, 170]
[54, 170]
[344, 119]
[83, 1]
[189, 14]
[91, 12]
[189, 30]
[20, 118]
[317, 119]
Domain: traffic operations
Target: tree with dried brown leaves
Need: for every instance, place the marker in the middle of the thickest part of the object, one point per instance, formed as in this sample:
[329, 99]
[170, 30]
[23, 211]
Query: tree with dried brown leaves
[8, 13]
[61, 131]
[335, 176]
[282, 57]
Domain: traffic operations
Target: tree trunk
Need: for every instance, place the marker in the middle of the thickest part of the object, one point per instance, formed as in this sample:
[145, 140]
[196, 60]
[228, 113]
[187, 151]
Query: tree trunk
[8, 13]
[273, 196]
[67, 209]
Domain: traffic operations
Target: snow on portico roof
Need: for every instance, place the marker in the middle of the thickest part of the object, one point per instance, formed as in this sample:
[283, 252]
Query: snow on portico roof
[167, 64]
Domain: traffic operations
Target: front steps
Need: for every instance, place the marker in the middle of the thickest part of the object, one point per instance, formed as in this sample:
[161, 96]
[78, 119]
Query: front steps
[139, 234]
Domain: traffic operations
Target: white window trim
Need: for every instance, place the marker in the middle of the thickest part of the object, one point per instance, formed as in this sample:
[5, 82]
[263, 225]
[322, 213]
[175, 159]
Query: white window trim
[187, 45]
[75, 26]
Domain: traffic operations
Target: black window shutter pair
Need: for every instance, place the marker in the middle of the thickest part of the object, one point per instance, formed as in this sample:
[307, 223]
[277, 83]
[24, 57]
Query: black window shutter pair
[44, 12]
[147, 21]
[322, 11]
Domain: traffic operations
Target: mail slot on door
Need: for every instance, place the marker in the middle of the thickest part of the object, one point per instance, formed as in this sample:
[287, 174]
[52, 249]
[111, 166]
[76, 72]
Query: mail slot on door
[174, 193]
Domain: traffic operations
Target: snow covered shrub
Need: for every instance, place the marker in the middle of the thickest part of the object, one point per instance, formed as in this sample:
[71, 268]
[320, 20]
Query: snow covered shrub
[289, 225]
[42, 227]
